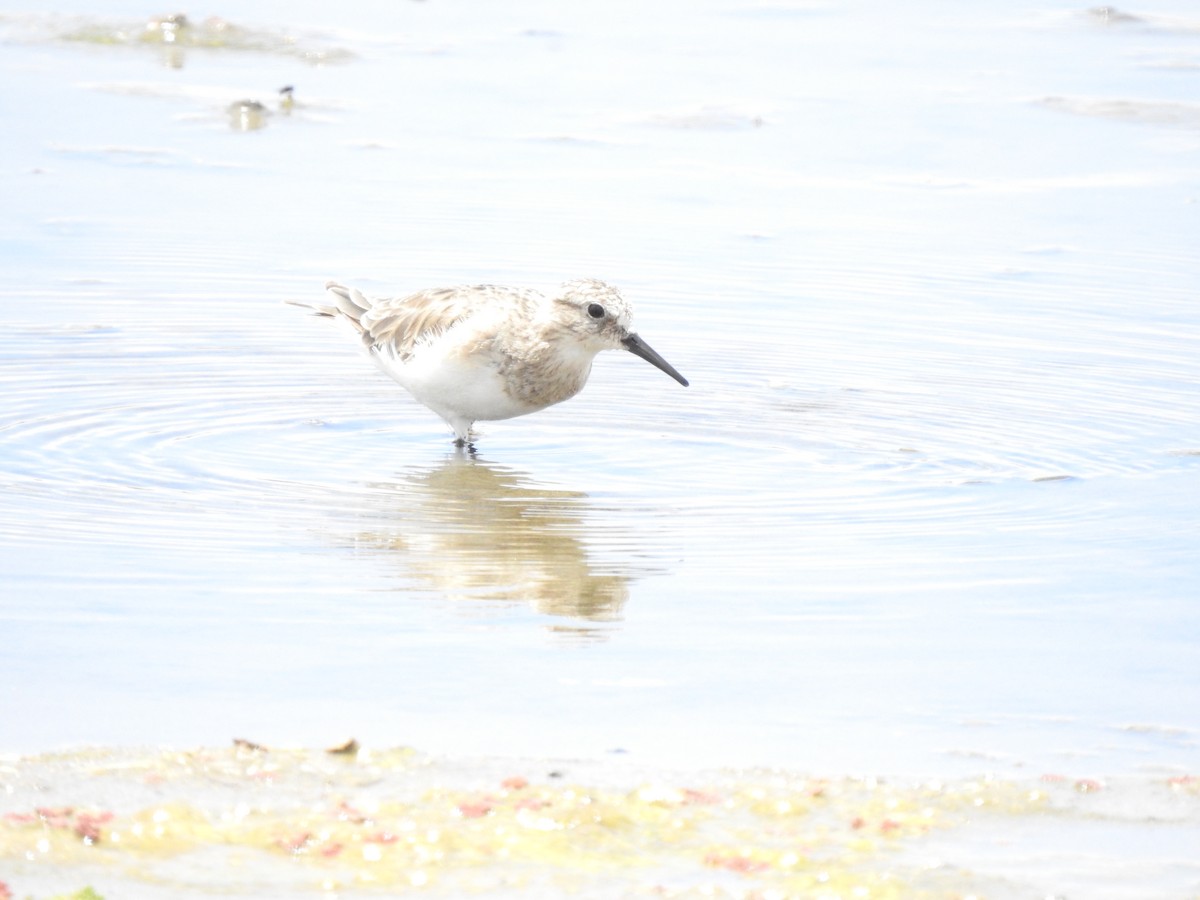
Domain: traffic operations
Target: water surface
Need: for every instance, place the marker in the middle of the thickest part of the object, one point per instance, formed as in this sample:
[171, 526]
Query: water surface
[930, 504]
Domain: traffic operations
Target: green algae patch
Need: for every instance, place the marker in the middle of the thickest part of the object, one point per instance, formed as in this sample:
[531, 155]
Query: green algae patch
[179, 32]
[339, 821]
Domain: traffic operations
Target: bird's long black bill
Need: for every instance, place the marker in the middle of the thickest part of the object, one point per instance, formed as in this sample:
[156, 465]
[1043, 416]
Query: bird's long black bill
[638, 347]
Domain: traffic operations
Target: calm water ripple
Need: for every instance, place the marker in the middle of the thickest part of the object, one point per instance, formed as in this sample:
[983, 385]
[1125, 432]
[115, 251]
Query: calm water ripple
[937, 465]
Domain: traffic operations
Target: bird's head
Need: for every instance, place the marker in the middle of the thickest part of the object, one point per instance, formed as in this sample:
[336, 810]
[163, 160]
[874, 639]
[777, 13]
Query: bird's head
[597, 314]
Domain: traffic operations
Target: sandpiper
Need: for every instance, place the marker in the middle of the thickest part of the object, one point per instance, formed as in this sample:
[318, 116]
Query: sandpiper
[485, 352]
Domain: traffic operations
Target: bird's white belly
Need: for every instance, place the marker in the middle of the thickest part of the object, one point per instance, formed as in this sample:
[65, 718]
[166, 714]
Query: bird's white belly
[455, 386]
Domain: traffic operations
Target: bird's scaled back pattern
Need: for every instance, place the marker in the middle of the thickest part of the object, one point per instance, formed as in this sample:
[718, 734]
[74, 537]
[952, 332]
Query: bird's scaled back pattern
[487, 352]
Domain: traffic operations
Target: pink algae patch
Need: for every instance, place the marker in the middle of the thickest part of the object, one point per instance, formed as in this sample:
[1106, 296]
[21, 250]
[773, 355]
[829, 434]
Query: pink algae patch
[83, 824]
[474, 809]
[743, 864]
[1184, 782]
[378, 819]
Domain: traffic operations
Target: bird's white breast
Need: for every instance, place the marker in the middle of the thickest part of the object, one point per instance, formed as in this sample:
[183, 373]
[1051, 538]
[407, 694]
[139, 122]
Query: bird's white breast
[455, 379]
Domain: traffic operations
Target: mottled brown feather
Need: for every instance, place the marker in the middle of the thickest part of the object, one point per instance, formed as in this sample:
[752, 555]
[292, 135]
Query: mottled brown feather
[399, 325]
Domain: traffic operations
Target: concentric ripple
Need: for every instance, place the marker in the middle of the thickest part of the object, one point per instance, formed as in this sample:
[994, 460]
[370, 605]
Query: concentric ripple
[138, 421]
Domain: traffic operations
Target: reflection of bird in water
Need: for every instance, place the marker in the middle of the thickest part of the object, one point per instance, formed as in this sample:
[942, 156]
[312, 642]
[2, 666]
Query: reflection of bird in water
[476, 531]
[248, 115]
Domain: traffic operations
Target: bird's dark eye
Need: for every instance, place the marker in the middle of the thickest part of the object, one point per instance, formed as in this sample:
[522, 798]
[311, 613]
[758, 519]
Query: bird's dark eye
[596, 311]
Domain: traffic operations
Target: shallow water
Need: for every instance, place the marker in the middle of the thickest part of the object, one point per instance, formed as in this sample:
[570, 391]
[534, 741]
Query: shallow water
[930, 504]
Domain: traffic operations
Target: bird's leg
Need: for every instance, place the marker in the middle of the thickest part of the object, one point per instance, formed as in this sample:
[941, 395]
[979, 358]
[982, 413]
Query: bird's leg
[464, 448]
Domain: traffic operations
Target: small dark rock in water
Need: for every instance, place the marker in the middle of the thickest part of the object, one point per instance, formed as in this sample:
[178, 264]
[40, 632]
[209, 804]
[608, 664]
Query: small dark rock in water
[346, 748]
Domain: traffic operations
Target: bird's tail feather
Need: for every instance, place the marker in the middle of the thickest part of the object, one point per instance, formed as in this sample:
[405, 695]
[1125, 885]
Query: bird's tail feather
[347, 302]
[315, 308]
